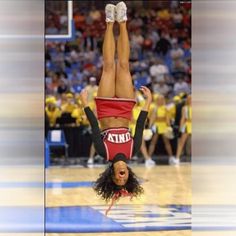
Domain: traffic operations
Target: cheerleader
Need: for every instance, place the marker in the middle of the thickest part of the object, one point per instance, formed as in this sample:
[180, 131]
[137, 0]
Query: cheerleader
[185, 128]
[160, 123]
[114, 103]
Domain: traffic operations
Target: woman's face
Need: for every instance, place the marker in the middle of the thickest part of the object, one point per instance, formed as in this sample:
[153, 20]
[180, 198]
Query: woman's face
[121, 173]
[160, 101]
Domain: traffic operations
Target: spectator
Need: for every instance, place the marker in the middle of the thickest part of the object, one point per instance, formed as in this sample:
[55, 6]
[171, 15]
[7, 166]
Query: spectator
[63, 19]
[58, 58]
[76, 86]
[179, 68]
[69, 104]
[52, 83]
[51, 29]
[79, 19]
[52, 111]
[136, 110]
[153, 36]
[176, 52]
[137, 39]
[89, 43]
[158, 70]
[79, 114]
[136, 22]
[95, 14]
[181, 86]
[161, 87]
[185, 128]
[159, 120]
[62, 87]
[163, 45]
[177, 18]
[92, 88]
[164, 14]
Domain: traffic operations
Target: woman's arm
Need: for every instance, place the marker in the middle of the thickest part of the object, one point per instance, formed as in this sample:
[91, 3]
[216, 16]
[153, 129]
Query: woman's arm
[138, 136]
[96, 133]
[148, 95]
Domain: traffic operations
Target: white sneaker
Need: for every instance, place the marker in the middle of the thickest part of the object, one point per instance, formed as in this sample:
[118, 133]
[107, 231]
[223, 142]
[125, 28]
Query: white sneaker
[98, 158]
[173, 161]
[121, 12]
[110, 11]
[90, 161]
[176, 162]
[149, 163]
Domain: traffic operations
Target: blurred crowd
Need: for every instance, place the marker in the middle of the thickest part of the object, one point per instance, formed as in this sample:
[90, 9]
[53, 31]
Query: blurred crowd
[160, 41]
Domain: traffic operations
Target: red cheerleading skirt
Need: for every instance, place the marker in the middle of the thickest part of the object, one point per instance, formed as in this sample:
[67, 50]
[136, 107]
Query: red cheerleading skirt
[114, 107]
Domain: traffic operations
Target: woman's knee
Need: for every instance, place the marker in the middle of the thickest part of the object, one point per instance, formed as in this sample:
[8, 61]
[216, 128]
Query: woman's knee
[109, 66]
[123, 65]
[165, 140]
[154, 140]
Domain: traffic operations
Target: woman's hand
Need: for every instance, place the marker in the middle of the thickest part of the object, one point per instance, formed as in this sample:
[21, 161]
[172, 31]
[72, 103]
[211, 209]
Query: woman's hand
[84, 97]
[148, 95]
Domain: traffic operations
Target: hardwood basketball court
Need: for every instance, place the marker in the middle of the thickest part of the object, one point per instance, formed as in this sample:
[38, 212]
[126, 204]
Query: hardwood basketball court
[167, 189]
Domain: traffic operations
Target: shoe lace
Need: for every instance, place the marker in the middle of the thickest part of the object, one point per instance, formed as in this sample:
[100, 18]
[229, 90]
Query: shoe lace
[109, 13]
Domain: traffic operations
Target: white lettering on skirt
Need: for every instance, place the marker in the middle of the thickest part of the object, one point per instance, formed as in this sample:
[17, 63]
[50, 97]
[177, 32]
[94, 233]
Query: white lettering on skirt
[119, 138]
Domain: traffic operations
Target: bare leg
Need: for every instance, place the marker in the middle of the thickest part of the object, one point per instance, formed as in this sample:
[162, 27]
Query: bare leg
[152, 145]
[92, 152]
[144, 150]
[107, 83]
[181, 143]
[167, 145]
[91, 156]
[124, 86]
[188, 146]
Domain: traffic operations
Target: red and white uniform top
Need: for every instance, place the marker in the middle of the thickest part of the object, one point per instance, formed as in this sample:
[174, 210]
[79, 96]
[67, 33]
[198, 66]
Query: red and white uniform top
[117, 140]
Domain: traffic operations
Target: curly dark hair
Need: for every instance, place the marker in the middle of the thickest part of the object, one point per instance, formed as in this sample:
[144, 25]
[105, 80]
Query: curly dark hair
[105, 187]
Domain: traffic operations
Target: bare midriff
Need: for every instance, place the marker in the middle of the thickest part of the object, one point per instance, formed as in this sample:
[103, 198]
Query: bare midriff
[112, 122]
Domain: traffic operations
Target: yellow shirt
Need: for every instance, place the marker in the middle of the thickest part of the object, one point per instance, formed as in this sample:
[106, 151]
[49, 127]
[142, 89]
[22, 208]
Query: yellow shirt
[68, 107]
[161, 116]
[152, 109]
[53, 115]
[79, 114]
[164, 14]
[92, 106]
